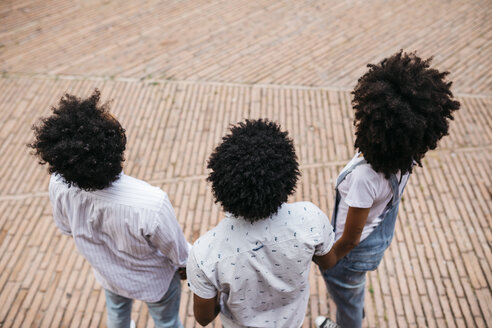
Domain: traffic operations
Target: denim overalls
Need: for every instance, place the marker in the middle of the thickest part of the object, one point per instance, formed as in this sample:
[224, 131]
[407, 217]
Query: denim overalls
[346, 280]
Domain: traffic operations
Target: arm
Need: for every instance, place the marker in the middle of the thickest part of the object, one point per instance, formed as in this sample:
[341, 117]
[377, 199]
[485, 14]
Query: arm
[205, 310]
[356, 220]
[205, 293]
[166, 235]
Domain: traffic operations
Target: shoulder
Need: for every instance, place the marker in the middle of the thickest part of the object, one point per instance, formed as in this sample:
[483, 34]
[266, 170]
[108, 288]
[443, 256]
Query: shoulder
[223, 240]
[365, 171]
[365, 175]
[300, 208]
[205, 246]
[364, 186]
[132, 192]
[59, 188]
[210, 239]
[56, 181]
[130, 183]
[308, 211]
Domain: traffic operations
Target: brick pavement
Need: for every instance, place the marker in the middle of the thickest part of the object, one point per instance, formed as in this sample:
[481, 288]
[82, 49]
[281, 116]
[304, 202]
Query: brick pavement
[180, 72]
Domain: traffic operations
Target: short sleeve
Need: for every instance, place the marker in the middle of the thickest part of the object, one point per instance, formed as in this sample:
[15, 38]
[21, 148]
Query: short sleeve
[197, 280]
[362, 190]
[327, 235]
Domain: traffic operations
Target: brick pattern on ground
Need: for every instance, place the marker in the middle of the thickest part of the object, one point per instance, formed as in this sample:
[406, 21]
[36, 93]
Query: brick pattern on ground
[180, 73]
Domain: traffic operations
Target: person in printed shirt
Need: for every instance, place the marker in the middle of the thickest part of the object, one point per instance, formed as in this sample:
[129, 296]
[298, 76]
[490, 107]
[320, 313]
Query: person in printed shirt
[402, 109]
[123, 226]
[253, 267]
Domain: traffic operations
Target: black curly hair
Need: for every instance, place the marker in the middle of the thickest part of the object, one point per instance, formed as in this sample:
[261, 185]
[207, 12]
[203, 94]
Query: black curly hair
[402, 109]
[82, 142]
[254, 169]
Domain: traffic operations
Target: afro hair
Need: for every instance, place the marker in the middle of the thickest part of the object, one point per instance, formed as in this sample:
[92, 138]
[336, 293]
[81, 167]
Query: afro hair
[402, 109]
[82, 142]
[254, 170]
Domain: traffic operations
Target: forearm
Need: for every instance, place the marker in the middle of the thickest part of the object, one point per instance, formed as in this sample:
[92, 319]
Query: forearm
[338, 251]
[343, 246]
[326, 261]
[356, 219]
[206, 310]
[204, 320]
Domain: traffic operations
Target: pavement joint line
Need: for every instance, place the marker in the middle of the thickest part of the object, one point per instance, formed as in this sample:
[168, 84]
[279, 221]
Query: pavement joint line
[178, 92]
[198, 82]
[24, 196]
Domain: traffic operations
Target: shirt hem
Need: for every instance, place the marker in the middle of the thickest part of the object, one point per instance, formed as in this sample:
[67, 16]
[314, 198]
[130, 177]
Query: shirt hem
[355, 204]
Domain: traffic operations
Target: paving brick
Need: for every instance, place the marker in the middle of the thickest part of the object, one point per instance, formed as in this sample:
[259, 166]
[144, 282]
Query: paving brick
[176, 91]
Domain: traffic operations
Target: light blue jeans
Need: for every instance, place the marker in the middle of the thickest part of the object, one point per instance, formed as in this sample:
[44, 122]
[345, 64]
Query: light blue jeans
[347, 279]
[164, 312]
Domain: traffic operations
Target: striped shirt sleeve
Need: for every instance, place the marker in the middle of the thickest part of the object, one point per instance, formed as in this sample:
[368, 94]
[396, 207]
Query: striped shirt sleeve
[60, 219]
[166, 235]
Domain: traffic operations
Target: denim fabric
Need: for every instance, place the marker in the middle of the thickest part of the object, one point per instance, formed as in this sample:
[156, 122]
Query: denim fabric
[346, 280]
[369, 253]
[346, 289]
[165, 312]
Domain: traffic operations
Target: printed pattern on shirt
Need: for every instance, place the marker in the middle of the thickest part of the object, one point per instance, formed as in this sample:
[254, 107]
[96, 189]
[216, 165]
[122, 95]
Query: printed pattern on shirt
[261, 269]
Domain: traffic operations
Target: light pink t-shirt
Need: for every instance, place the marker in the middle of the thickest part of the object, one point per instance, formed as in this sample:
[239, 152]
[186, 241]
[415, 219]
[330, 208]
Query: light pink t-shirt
[364, 188]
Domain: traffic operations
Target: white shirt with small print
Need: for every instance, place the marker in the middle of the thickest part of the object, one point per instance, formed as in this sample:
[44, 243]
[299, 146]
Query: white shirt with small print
[128, 232]
[261, 269]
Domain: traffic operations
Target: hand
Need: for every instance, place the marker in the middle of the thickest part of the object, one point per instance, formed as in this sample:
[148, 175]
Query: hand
[182, 273]
[326, 261]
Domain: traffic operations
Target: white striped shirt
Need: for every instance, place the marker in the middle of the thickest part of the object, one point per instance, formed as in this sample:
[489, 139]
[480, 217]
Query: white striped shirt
[128, 232]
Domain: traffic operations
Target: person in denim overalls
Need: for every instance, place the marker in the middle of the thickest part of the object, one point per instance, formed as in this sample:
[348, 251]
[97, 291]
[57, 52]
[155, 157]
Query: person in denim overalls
[402, 109]
[346, 280]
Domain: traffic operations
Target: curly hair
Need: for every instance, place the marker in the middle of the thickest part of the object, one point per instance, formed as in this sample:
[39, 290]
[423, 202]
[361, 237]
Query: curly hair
[402, 109]
[254, 170]
[82, 142]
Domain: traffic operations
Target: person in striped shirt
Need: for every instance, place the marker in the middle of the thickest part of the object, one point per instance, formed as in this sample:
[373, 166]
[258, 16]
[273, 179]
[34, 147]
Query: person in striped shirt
[124, 227]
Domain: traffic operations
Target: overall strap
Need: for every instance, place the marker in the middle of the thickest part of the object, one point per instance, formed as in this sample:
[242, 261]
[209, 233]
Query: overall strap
[342, 175]
[340, 178]
[395, 188]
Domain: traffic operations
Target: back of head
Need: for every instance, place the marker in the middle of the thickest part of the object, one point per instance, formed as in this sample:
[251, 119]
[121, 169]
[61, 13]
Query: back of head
[254, 170]
[82, 142]
[402, 109]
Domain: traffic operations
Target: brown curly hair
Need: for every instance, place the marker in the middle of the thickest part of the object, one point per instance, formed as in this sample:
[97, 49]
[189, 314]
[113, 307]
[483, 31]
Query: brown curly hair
[402, 109]
[82, 142]
[254, 169]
